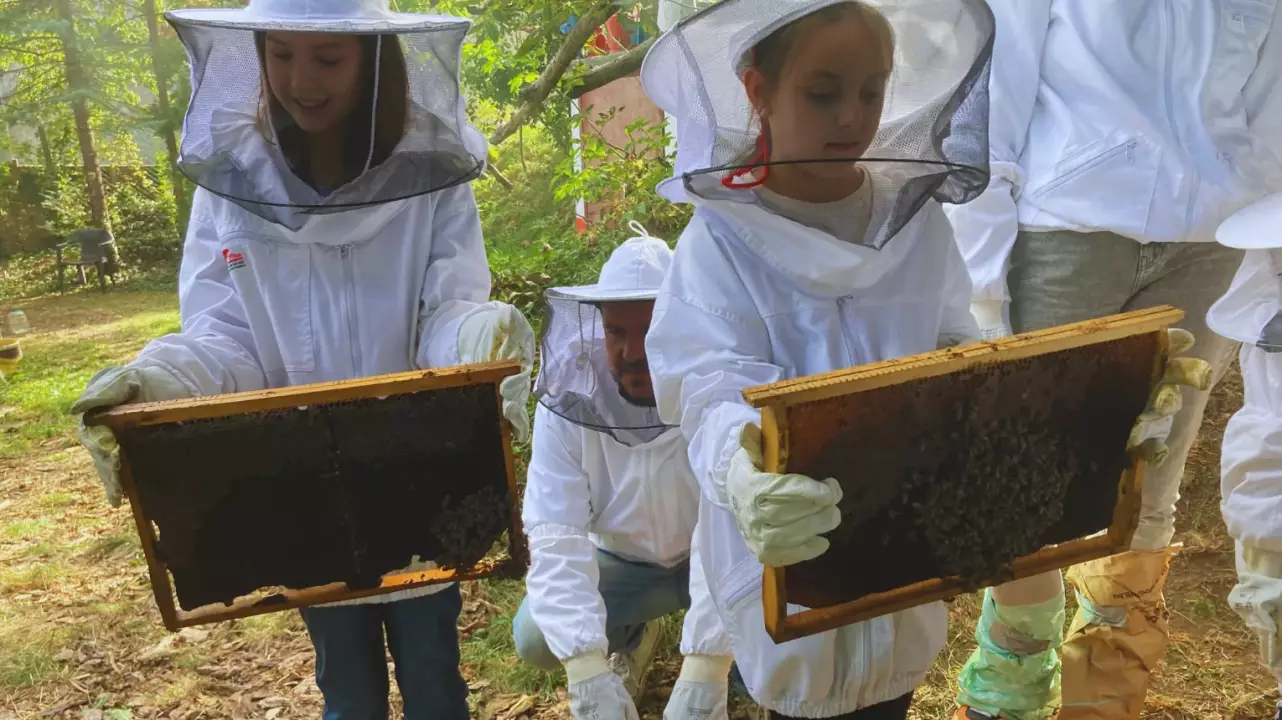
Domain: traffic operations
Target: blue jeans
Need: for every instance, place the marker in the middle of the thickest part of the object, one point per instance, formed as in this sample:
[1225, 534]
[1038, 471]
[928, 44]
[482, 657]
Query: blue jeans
[351, 667]
[634, 594]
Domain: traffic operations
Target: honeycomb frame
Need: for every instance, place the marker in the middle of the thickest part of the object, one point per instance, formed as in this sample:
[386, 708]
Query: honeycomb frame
[286, 405]
[809, 403]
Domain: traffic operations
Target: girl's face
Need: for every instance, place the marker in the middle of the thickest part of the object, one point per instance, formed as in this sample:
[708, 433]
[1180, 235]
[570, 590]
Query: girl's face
[315, 77]
[826, 103]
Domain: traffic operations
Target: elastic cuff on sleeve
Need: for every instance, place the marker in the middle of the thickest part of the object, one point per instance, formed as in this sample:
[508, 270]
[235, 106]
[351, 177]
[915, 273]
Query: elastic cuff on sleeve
[585, 666]
[706, 669]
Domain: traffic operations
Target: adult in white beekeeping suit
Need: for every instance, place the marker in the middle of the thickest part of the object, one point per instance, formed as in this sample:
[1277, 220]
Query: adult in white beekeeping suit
[610, 501]
[1122, 134]
[334, 235]
[1251, 459]
[806, 254]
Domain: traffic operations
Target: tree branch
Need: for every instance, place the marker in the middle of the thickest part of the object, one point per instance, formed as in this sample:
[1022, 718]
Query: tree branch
[534, 95]
[615, 66]
[493, 172]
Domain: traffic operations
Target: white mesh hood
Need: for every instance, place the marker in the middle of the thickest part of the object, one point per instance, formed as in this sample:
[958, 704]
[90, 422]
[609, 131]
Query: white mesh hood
[230, 147]
[933, 137]
[574, 380]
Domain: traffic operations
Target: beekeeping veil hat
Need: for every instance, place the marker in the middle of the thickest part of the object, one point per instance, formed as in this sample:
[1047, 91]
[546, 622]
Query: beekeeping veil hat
[575, 381]
[933, 137]
[1251, 310]
[231, 138]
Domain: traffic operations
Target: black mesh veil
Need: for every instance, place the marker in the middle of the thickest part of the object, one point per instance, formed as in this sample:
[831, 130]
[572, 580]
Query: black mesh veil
[230, 144]
[933, 138]
[574, 376]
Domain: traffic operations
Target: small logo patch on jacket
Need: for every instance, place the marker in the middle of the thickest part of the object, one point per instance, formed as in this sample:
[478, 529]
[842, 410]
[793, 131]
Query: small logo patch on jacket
[235, 260]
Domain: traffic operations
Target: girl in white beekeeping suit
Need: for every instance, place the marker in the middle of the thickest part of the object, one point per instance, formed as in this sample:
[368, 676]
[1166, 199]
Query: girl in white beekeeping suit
[1251, 459]
[816, 139]
[334, 235]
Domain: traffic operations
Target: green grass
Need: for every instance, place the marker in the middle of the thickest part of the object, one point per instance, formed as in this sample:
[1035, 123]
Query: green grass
[24, 578]
[28, 529]
[120, 546]
[57, 500]
[27, 650]
[493, 652]
[55, 369]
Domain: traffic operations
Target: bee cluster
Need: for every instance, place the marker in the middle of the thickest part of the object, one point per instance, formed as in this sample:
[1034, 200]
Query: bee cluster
[991, 501]
[468, 530]
[338, 492]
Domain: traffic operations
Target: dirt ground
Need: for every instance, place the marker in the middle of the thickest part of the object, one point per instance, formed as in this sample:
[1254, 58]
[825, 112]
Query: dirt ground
[80, 636]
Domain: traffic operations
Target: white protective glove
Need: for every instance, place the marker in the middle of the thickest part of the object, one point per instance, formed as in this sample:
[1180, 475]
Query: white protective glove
[780, 516]
[500, 332]
[1151, 430]
[991, 317]
[120, 386]
[702, 689]
[596, 693]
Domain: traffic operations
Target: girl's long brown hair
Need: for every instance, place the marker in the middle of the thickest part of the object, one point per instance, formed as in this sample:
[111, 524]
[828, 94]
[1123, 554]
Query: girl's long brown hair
[390, 118]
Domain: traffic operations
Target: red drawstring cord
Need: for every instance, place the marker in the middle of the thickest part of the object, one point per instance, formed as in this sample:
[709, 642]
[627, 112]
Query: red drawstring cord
[758, 161]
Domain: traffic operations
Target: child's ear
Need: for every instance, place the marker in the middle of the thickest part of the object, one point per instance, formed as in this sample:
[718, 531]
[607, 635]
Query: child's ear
[756, 85]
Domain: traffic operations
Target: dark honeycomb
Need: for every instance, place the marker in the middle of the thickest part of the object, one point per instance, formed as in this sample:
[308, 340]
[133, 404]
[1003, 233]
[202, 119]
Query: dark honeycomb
[957, 476]
[342, 492]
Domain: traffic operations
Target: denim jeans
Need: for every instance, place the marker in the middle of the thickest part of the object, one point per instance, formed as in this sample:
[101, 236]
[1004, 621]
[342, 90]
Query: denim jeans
[1063, 277]
[634, 594]
[351, 666]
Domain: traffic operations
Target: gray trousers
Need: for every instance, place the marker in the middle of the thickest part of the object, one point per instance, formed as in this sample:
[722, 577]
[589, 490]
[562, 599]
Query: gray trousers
[1057, 278]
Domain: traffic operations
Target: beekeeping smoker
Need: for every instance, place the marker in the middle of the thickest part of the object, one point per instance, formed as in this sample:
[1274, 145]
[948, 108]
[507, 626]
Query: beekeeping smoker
[1251, 459]
[333, 235]
[610, 501]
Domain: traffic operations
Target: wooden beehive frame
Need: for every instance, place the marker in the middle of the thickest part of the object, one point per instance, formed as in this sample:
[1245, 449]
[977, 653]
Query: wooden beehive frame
[778, 399]
[204, 408]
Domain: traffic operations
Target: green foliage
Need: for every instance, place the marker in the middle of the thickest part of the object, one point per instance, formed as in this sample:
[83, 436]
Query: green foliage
[624, 178]
[56, 367]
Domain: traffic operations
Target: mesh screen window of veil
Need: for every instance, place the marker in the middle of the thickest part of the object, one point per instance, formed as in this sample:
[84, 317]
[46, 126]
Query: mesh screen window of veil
[959, 465]
[337, 490]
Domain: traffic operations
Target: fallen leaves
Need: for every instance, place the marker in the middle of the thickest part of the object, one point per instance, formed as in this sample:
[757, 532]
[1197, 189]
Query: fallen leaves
[507, 707]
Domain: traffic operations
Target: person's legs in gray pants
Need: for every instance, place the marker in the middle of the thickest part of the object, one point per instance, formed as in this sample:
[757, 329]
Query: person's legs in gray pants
[1118, 637]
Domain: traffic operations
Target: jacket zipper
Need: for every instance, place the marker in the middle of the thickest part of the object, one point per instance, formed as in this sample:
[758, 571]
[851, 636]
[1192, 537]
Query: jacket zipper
[349, 300]
[845, 332]
[1168, 60]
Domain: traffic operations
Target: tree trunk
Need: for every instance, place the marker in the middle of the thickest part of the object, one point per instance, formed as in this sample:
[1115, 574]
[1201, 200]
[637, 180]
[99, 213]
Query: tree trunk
[78, 84]
[166, 130]
[46, 153]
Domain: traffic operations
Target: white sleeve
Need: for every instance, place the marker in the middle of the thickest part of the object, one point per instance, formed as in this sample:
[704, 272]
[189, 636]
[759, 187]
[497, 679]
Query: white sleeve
[557, 514]
[702, 632]
[214, 353]
[957, 324]
[1263, 92]
[457, 281]
[986, 226]
[706, 344]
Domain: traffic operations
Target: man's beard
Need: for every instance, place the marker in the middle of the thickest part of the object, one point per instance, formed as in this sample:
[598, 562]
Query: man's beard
[644, 402]
[634, 400]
